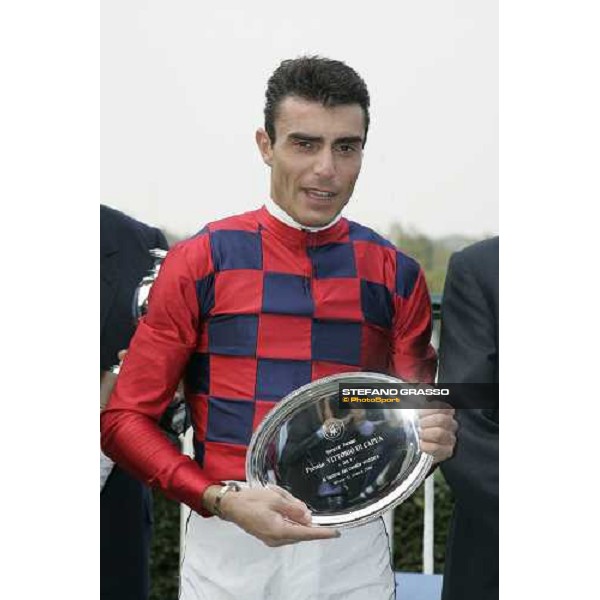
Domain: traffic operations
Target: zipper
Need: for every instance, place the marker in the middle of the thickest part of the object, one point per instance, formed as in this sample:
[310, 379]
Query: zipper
[311, 274]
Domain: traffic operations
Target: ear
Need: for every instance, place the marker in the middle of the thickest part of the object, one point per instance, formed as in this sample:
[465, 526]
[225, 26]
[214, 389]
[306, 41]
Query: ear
[263, 141]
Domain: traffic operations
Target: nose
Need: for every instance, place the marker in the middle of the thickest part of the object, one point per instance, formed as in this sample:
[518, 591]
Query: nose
[324, 164]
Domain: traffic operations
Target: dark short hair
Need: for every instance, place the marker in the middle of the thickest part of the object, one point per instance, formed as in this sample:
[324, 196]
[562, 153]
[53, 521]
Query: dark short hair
[330, 82]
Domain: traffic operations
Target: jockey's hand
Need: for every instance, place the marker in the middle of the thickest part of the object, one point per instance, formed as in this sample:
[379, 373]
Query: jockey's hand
[270, 514]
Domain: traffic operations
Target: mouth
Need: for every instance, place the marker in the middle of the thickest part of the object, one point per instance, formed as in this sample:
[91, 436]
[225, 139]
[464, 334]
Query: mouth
[318, 194]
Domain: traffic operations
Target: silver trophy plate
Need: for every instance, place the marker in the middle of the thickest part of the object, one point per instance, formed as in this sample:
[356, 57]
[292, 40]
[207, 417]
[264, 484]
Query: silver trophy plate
[349, 465]
[142, 292]
[139, 306]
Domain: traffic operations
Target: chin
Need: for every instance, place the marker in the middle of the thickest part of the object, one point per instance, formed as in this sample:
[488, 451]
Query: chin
[316, 221]
[311, 218]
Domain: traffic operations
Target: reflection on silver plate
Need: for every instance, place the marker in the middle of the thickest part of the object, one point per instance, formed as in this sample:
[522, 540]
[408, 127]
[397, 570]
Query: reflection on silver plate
[349, 465]
[142, 292]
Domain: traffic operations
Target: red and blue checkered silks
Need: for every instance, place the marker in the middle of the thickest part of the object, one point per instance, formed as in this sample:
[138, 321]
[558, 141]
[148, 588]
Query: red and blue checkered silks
[249, 310]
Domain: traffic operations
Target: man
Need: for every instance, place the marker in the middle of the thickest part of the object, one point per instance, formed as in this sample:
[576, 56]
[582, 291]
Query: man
[252, 308]
[125, 503]
[469, 353]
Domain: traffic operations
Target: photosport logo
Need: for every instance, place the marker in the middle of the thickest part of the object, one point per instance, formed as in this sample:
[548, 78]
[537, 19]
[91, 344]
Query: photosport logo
[333, 429]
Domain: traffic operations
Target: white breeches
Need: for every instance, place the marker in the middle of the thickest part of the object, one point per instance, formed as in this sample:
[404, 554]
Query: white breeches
[223, 562]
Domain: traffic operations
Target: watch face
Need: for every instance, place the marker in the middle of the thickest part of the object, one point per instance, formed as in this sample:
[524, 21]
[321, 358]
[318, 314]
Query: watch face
[349, 465]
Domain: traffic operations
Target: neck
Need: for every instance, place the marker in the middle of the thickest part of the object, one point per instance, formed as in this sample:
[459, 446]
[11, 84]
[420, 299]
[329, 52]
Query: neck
[276, 211]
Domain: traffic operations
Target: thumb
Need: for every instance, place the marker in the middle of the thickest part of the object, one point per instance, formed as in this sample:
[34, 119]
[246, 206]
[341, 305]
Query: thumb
[295, 511]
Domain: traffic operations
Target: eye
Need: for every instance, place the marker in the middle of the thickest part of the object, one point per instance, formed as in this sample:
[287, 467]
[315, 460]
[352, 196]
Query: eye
[347, 148]
[303, 145]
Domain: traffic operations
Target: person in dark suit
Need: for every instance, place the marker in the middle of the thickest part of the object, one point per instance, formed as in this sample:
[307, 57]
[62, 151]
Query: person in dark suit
[469, 354]
[125, 503]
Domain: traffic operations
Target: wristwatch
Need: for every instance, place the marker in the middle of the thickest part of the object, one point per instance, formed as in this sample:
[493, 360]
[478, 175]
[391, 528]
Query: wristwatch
[230, 486]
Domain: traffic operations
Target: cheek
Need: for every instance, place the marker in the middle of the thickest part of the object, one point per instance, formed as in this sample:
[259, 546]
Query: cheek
[280, 174]
[351, 175]
[293, 174]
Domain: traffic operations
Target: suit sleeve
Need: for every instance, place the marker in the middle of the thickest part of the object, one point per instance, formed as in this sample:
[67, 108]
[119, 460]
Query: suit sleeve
[467, 355]
[468, 342]
[413, 356]
[161, 240]
[156, 359]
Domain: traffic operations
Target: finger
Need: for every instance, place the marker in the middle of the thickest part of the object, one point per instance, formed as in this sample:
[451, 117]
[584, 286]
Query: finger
[295, 511]
[441, 420]
[301, 533]
[284, 493]
[121, 355]
[278, 543]
[439, 453]
[437, 435]
[274, 543]
[439, 408]
[288, 497]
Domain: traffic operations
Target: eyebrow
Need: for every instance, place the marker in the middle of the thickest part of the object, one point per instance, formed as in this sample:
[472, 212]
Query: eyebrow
[304, 137]
[352, 139]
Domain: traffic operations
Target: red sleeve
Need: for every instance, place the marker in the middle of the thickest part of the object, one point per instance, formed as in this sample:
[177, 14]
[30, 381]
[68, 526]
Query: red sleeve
[413, 356]
[152, 369]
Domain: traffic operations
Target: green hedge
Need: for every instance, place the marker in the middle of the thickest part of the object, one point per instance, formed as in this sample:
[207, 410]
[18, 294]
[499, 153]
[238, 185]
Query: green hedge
[408, 528]
[408, 538]
[164, 559]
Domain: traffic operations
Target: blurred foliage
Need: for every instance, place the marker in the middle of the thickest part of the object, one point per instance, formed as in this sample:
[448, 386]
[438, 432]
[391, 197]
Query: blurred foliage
[408, 528]
[432, 254]
[164, 557]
